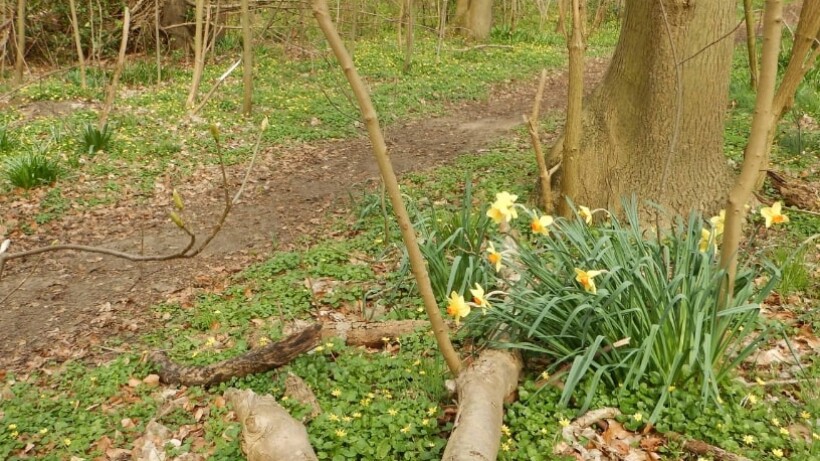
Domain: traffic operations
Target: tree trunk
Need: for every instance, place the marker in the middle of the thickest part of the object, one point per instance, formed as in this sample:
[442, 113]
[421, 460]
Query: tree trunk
[21, 42]
[172, 22]
[475, 18]
[199, 58]
[247, 60]
[75, 27]
[655, 129]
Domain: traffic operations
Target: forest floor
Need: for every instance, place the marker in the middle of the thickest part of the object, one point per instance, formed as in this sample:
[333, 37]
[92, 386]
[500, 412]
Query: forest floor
[66, 304]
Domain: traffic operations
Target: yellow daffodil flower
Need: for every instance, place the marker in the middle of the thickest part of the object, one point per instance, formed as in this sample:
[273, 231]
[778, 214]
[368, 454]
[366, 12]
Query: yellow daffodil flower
[341, 433]
[773, 214]
[541, 225]
[585, 214]
[457, 308]
[777, 453]
[479, 299]
[638, 417]
[503, 209]
[748, 439]
[494, 257]
[585, 278]
[717, 223]
[705, 238]
[784, 431]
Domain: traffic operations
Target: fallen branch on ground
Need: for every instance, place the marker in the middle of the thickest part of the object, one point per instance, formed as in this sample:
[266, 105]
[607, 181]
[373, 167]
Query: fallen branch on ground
[371, 334]
[482, 389]
[269, 433]
[701, 448]
[255, 361]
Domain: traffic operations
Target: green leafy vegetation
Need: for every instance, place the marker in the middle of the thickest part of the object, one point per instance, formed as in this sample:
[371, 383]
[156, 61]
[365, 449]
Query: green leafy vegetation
[30, 170]
[95, 139]
[650, 340]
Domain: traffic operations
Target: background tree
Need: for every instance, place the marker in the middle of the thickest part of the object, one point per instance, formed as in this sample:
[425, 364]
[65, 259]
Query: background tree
[21, 42]
[654, 126]
[75, 27]
[475, 18]
[199, 53]
[247, 59]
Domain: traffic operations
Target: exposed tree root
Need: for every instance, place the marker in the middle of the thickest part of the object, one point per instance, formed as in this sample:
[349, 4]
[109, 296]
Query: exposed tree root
[269, 433]
[255, 361]
[482, 388]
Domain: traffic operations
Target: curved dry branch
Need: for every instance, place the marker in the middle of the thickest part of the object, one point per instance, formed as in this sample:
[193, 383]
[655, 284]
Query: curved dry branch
[265, 358]
[189, 251]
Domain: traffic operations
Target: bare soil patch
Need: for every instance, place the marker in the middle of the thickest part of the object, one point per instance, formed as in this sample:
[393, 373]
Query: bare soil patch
[70, 303]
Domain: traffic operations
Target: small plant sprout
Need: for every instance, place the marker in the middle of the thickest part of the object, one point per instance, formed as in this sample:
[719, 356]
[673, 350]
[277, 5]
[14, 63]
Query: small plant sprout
[96, 139]
[774, 214]
[585, 278]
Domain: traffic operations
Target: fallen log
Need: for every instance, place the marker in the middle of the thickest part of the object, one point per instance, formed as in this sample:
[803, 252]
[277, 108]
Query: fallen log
[371, 334]
[482, 389]
[254, 361]
[269, 432]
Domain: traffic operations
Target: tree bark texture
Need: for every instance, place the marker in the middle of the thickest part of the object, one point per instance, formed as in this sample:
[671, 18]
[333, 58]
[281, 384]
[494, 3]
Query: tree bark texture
[269, 432]
[475, 18]
[654, 130]
[21, 42]
[256, 361]
[247, 59]
[482, 389]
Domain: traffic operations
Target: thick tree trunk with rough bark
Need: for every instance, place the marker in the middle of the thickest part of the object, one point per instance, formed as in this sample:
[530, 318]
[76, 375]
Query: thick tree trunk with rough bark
[173, 22]
[475, 18]
[652, 129]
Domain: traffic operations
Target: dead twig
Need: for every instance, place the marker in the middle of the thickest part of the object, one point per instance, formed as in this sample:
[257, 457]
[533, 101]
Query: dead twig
[216, 86]
[189, 251]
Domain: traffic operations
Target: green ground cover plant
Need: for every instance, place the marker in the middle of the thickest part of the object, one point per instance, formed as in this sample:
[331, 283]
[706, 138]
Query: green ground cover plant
[391, 404]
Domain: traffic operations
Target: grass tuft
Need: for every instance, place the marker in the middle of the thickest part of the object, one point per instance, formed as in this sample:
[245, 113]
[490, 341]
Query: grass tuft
[31, 170]
[95, 140]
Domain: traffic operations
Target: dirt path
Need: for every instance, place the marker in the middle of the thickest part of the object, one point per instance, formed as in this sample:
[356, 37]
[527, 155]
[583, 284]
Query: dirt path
[70, 303]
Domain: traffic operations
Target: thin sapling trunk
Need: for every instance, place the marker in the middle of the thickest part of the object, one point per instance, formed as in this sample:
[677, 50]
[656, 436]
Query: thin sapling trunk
[417, 263]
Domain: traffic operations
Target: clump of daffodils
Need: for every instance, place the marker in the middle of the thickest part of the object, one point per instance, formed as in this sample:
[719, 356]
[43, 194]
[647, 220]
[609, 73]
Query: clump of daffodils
[503, 211]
